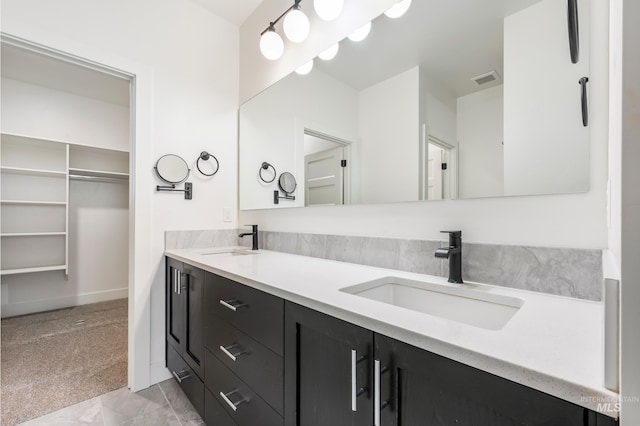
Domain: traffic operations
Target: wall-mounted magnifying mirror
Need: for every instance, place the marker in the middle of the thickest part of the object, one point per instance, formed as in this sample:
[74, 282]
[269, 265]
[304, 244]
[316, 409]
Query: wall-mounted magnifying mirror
[287, 184]
[172, 169]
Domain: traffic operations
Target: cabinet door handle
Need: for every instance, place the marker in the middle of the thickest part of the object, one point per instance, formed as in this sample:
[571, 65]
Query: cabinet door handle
[179, 282]
[232, 304]
[233, 356]
[231, 404]
[180, 378]
[175, 280]
[376, 393]
[354, 381]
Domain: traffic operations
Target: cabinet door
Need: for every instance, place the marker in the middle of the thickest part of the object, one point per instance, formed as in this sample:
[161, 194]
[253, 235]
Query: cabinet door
[328, 364]
[421, 388]
[192, 293]
[175, 328]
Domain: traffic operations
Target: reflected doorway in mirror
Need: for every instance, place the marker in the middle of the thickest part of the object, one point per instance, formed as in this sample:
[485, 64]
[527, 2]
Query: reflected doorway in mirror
[325, 169]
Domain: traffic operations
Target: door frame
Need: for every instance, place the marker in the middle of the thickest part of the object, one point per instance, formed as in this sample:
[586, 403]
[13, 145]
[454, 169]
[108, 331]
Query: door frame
[305, 127]
[141, 266]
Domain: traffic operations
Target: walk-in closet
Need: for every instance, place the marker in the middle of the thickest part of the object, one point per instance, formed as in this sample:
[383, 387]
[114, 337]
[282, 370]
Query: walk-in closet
[64, 231]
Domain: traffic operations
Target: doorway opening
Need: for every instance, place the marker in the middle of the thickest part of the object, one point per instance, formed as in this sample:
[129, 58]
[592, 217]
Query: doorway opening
[438, 169]
[326, 169]
[67, 229]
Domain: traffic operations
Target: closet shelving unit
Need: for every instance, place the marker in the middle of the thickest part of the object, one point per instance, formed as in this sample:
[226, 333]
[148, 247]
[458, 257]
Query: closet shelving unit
[36, 172]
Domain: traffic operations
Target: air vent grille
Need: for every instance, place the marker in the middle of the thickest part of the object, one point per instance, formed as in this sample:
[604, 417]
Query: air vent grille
[486, 78]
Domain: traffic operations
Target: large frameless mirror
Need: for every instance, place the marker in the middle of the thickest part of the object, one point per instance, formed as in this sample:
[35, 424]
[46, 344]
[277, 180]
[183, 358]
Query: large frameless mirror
[458, 99]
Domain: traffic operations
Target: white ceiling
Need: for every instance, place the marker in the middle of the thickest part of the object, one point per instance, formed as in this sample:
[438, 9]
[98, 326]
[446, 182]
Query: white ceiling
[451, 41]
[34, 68]
[234, 11]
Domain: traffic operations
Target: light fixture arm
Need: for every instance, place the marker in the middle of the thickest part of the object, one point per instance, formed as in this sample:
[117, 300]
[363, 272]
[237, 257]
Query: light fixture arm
[271, 26]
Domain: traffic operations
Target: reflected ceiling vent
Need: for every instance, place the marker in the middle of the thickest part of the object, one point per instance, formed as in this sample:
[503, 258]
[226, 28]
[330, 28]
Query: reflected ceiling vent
[489, 77]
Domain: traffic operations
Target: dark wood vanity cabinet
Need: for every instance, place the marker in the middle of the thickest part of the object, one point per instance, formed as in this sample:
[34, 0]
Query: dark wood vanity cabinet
[244, 357]
[243, 339]
[418, 387]
[415, 387]
[328, 364]
[185, 349]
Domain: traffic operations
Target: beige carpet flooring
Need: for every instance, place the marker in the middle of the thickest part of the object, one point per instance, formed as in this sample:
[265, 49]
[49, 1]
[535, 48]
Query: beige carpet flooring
[49, 361]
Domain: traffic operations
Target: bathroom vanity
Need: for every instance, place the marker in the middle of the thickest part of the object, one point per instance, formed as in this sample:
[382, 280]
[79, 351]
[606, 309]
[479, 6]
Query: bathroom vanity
[277, 339]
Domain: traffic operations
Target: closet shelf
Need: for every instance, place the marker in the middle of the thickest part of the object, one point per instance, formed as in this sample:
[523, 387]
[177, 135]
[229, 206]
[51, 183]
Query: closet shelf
[32, 172]
[34, 269]
[35, 203]
[98, 173]
[32, 234]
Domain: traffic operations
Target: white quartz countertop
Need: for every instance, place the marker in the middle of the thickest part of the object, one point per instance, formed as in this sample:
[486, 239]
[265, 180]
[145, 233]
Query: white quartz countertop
[553, 343]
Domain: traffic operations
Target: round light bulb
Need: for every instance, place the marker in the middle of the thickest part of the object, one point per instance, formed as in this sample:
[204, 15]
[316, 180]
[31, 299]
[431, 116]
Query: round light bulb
[330, 53]
[361, 33]
[271, 45]
[296, 26]
[398, 9]
[328, 9]
[305, 69]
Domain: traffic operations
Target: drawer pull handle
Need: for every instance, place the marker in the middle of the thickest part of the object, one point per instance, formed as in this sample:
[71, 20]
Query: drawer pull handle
[231, 404]
[232, 304]
[235, 355]
[179, 376]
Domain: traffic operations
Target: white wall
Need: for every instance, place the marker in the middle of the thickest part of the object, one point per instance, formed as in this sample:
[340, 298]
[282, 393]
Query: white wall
[575, 220]
[389, 125]
[545, 148]
[192, 56]
[40, 111]
[272, 130]
[626, 98]
[480, 135]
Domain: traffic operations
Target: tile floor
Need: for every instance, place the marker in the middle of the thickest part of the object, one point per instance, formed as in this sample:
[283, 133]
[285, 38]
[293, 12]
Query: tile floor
[161, 404]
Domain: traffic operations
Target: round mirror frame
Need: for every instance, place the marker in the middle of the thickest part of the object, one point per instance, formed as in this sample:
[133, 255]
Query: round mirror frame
[165, 178]
[282, 182]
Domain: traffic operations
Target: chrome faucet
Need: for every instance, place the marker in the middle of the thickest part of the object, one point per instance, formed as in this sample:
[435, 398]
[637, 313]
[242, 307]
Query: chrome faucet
[454, 254]
[255, 236]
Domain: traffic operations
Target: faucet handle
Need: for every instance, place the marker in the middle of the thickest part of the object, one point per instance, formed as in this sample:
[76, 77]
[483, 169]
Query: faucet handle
[452, 233]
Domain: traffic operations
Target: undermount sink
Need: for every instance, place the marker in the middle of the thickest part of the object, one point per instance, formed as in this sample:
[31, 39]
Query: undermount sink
[465, 305]
[230, 252]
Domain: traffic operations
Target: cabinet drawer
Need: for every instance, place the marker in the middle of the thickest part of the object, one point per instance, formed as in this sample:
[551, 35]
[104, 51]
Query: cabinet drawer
[256, 313]
[214, 414]
[188, 381]
[258, 366]
[238, 399]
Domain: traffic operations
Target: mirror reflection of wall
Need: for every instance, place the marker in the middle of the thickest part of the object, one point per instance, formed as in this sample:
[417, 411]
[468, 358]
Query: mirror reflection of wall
[457, 99]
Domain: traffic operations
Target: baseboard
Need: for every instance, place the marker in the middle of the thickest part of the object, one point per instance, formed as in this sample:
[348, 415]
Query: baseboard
[158, 372]
[23, 308]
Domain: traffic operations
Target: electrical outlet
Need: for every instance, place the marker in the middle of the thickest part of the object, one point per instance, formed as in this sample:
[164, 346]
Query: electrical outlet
[226, 214]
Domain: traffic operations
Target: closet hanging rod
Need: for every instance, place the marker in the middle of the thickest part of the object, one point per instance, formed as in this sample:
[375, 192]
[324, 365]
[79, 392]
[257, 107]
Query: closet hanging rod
[98, 178]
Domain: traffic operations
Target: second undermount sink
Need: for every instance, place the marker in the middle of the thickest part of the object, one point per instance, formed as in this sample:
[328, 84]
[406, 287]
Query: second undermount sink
[229, 252]
[456, 303]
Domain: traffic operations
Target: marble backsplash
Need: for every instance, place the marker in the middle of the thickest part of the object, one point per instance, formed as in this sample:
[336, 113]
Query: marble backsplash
[566, 272]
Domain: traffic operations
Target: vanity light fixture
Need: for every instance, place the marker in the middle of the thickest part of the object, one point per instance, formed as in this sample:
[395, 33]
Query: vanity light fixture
[271, 44]
[296, 28]
[296, 24]
[328, 10]
[361, 33]
[330, 53]
[305, 69]
[398, 9]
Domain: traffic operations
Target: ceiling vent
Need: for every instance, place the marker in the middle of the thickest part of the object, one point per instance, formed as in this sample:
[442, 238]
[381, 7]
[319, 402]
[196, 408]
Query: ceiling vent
[489, 77]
